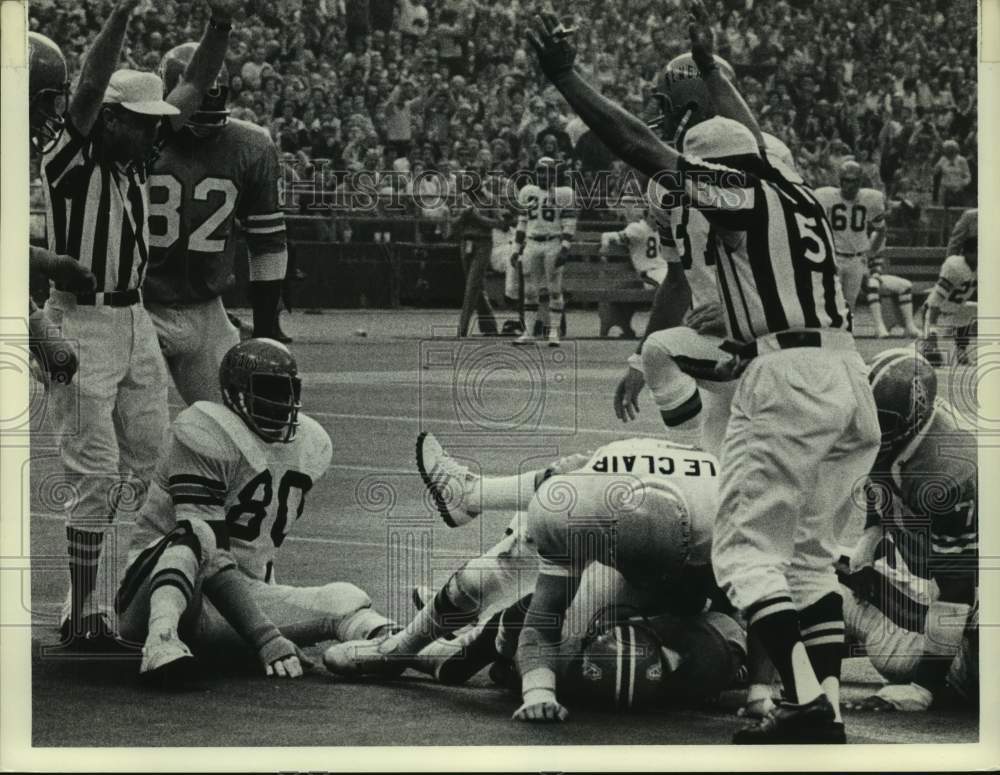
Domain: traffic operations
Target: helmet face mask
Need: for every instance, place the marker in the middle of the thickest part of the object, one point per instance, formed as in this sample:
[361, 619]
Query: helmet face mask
[259, 381]
[684, 98]
[904, 385]
[48, 92]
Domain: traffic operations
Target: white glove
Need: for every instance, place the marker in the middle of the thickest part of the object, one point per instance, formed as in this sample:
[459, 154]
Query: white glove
[910, 698]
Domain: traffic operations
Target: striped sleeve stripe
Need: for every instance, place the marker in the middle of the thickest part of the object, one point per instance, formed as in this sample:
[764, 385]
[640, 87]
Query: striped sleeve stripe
[970, 547]
[197, 500]
[204, 481]
[275, 216]
[941, 538]
[945, 283]
[264, 229]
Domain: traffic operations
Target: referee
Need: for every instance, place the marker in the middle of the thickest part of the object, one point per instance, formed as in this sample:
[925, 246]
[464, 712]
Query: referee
[803, 427]
[112, 419]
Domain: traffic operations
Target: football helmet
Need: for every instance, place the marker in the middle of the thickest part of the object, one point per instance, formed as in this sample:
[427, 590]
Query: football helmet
[622, 667]
[212, 115]
[904, 384]
[48, 85]
[684, 98]
[260, 382]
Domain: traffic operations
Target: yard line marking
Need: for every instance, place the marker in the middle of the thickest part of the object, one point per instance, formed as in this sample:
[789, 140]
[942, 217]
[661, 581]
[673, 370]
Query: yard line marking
[431, 421]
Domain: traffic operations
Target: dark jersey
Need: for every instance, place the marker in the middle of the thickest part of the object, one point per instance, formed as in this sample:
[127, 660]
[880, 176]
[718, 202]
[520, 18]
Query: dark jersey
[934, 502]
[197, 190]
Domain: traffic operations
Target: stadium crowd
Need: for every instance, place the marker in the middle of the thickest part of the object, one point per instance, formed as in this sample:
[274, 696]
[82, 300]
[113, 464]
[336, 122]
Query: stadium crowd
[446, 85]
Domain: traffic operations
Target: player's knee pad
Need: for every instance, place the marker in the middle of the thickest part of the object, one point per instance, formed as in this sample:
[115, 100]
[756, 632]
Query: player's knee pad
[339, 599]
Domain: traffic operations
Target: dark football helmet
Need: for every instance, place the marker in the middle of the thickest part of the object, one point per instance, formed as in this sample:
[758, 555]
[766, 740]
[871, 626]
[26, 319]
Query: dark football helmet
[48, 84]
[904, 384]
[621, 667]
[684, 98]
[260, 382]
[213, 114]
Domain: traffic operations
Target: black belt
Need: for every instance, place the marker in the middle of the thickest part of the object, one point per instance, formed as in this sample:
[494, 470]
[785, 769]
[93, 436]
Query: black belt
[851, 255]
[545, 239]
[786, 340]
[109, 299]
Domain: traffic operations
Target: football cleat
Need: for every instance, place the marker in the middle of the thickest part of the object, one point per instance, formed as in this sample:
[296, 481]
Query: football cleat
[553, 337]
[167, 662]
[450, 483]
[524, 339]
[790, 724]
[94, 637]
[365, 658]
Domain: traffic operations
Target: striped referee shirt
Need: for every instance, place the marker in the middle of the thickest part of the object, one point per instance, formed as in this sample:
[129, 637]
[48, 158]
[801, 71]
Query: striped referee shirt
[96, 211]
[775, 265]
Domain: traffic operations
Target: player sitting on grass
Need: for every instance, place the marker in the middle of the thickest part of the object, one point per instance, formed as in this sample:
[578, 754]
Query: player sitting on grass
[656, 498]
[231, 482]
[913, 574]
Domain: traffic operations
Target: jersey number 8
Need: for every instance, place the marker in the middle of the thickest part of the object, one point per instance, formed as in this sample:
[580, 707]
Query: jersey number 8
[249, 505]
[201, 240]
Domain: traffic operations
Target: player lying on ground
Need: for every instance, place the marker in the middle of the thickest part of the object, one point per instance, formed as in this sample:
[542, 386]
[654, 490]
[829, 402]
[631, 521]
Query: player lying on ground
[915, 590]
[233, 478]
[951, 310]
[665, 477]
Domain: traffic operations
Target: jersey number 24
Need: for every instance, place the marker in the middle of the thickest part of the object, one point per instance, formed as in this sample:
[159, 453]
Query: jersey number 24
[168, 212]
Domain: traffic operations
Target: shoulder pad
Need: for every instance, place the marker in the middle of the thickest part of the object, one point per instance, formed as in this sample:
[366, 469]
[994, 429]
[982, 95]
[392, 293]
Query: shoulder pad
[317, 448]
[244, 131]
[827, 192]
[227, 429]
[564, 195]
[200, 432]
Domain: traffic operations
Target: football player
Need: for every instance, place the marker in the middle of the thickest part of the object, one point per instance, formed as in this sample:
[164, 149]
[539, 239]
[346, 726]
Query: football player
[857, 216]
[546, 226]
[641, 239]
[951, 309]
[657, 498]
[913, 574]
[897, 291]
[209, 173]
[235, 475]
[48, 89]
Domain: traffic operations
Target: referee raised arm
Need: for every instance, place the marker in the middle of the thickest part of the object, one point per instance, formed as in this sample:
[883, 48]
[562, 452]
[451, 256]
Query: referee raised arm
[803, 428]
[113, 417]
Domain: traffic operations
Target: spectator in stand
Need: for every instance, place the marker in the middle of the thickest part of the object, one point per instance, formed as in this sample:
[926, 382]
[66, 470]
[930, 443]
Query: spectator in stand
[951, 176]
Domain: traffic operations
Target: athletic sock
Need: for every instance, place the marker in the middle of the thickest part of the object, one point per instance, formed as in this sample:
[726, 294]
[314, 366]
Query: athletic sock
[84, 548]
[775, 622]
[441, 617]
[822, 628]
[507, 492]
[509, 627]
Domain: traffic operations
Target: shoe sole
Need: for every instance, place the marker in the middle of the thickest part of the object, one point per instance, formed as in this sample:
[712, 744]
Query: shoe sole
[180, 675]
[439, 501]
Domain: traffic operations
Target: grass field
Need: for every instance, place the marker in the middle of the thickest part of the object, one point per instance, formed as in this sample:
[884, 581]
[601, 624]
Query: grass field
[368, 521]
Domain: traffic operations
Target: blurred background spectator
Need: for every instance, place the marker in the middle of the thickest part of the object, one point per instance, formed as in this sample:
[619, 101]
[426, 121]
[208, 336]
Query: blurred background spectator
[448, 86]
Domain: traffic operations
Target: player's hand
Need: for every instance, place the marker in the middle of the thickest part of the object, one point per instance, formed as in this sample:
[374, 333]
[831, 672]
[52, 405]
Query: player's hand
[627, 394]
[551, 41]
[126, 6]
[286, 667]
[53, 354]
[908, 698]
[864, 552]
[225, 9]
[72, 276]
[708, 319]
[702, 36]
[545, 711]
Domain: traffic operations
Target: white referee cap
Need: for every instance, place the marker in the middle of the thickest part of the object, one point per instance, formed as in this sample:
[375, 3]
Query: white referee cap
[719, 138]
[138, 92]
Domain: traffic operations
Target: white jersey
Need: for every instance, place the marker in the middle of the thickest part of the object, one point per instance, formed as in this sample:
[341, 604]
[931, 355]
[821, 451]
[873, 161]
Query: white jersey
[643, 244]
[956, 284]
[547, 213]
[694, 248]
[216, 469]
[852, 219]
